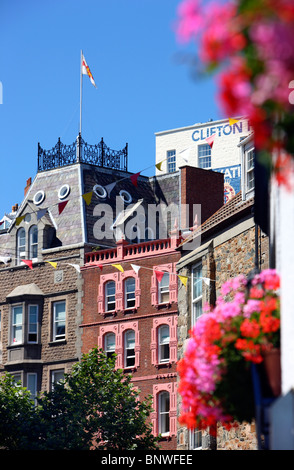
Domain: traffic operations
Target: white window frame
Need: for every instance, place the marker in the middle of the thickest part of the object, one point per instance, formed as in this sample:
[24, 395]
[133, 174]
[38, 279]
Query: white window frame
[249, 165]
[54, 374]
[107, 349]
[163, 411]
[131, 299]
[31, 323]
[197, 300]
[15, 325]
[204, 156]
[20, 248]
[163, 289]
[162, 342]
[56, 322]
[128, 354]
[195, 439]
[107, 296]
[33, 245]
[171, 161]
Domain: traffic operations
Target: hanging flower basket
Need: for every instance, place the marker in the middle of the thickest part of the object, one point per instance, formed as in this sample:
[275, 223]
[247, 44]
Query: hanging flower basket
[215, 372]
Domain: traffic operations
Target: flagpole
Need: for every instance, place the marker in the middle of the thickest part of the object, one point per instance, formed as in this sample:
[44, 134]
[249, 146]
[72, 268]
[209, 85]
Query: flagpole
[81, 89]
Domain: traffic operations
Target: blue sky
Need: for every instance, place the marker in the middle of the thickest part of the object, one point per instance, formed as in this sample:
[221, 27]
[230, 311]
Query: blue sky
[142, 85]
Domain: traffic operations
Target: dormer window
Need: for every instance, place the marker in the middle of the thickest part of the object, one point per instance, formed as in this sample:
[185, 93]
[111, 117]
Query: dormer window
[249, 169]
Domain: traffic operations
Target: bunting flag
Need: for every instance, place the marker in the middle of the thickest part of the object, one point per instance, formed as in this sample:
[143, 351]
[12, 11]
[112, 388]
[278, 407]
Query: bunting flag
[159, 275]
[233, 121]
[88, 197]
[134, 178]
[135, 268]
[119, 267]
[158, 165]
[28, 262]
[2, 222]
[5, 259]
[109, 187]
[76, 266]
[61, 206]
[52, 264]
[86, 70]
[206, 280]
[185, 154]
[100, 266]
[41, 213]
[210, 140]
[19, 219]
[183, 279]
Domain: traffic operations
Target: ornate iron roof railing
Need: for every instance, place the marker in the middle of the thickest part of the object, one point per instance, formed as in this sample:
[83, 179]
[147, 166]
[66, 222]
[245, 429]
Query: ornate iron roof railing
[80, 151]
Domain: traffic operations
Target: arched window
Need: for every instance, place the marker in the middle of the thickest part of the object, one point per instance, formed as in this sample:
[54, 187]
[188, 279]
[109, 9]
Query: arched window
[33, 242]
[163, 413]
[130, 287]
[163, 289]
[109, 296]
[129, 348]
[163, 344]
[21, 244]
[109, 344]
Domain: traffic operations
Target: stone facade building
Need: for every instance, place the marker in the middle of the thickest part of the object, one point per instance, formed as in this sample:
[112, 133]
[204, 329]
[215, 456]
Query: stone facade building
[228, 244]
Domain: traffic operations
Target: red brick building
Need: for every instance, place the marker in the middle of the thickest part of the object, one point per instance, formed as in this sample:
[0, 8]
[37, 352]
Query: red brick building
[127, 310]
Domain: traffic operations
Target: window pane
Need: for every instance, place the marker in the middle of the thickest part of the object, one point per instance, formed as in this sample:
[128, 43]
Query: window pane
[204, 156]
[130, 292]
[110, 296]
[59, 320]
[197, 281]
[163, 289]
[33, 323]
[17, 324]
[130, 348]
[171, 161]
[164, 412]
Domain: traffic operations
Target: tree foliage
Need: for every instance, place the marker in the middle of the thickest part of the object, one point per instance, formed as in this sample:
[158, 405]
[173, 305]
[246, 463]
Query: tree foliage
[95, 407]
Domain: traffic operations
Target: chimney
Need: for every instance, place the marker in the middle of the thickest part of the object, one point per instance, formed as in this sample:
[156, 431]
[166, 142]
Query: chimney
[15, 208]
[29, 182]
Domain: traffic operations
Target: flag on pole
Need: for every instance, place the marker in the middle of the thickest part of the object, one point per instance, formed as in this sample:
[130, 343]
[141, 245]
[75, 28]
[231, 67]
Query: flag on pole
[87, 71]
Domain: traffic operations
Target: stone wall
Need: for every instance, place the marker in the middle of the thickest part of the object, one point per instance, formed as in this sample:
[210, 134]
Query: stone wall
[220, 262]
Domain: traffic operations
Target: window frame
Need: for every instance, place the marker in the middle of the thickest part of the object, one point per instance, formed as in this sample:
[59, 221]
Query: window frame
[127, 349]
[107, 350]
[205, 157]
[164, 289]
[196, 301]
[161, 343]
[195, 439]
[15, 325]
[20, 248]
[107, 283]
[163, 429]
[133, 299]
[32, 323]
[54, 372]
[35, 392]
[249, 165]
[33, 245]
[171, 161]
[55, 336]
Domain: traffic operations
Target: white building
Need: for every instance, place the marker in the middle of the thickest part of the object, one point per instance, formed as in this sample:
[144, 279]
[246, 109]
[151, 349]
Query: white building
[212, 145]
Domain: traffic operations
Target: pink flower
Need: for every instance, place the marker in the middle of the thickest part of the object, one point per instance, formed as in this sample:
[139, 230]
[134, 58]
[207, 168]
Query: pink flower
[190, 20]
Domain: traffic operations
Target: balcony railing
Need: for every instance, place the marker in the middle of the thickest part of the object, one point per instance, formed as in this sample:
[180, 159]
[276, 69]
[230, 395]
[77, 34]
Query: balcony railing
[128, 252]
[80, 151]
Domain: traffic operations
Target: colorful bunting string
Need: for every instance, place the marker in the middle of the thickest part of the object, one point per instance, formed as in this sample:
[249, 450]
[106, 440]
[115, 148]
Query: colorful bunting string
[210, 140]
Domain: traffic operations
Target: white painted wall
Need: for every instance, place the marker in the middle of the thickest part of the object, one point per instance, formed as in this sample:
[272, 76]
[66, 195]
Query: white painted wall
[224, 153]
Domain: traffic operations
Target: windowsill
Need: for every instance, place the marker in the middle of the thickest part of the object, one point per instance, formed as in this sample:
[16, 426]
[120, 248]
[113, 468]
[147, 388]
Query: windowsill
[163, 365]
[165, 437]
[130, 310]
[163, 305]
[57, 342]
[130, 369]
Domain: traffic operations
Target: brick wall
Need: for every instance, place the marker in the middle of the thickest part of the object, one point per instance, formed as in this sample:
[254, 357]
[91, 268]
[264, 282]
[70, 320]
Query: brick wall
[147, 376]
